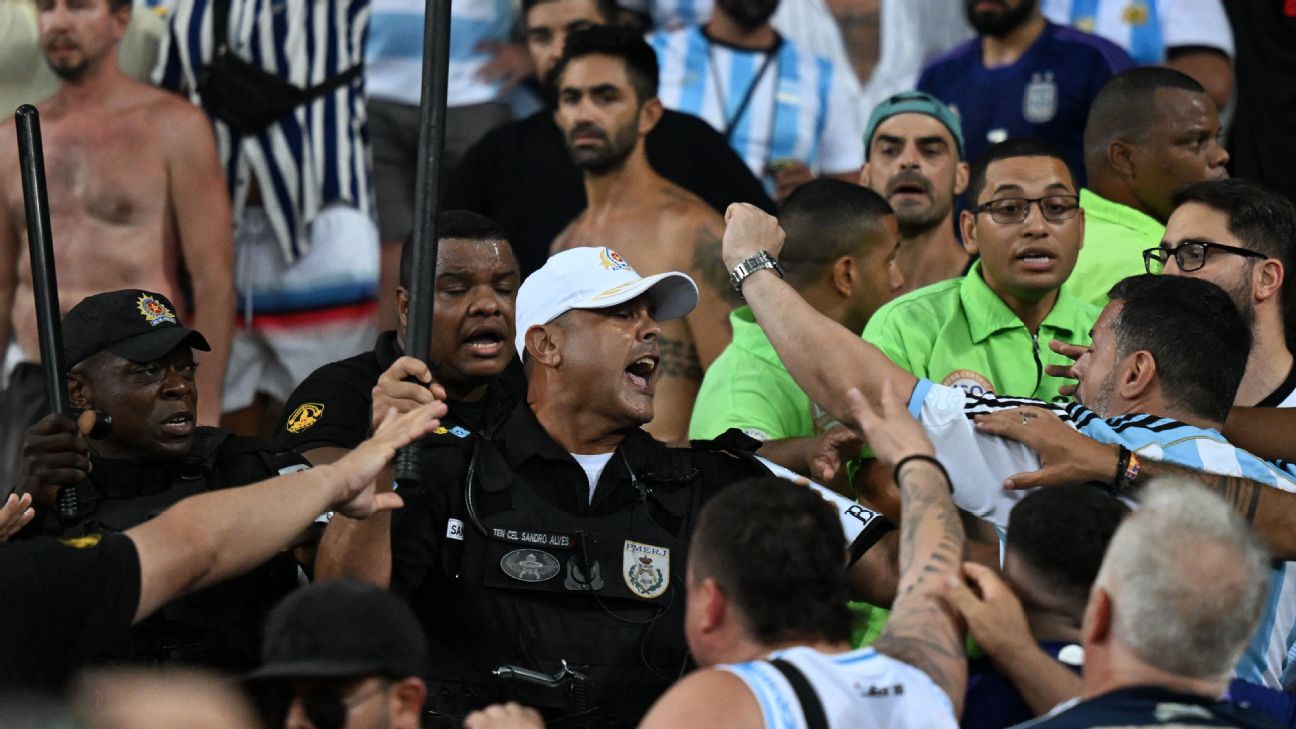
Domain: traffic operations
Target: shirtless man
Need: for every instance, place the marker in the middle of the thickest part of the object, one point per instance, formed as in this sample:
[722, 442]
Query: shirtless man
[607, 104]
[137, 197]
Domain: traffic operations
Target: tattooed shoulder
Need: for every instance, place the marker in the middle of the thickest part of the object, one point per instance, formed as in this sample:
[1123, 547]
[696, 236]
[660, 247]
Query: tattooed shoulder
[679, 359]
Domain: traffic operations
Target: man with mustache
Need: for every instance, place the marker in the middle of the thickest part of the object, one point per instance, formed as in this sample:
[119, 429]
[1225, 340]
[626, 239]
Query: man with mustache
[137, 200]
[913, 156]
[792, 115]
[1023, 77]
[607, 105]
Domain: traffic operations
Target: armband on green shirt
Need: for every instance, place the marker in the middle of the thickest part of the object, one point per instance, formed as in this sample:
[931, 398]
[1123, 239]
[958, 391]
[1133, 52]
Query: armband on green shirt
[959, 332]
[747, 387]
[1115, 237]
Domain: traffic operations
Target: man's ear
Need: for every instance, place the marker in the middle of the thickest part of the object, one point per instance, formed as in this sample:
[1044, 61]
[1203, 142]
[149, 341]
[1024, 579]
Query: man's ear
[543, 345]
[405, 702]
[1096, 626]
[649, 115]
[1122, 158]
[715, 605]
[402, 307]
[79, 391]
[962, 175]
[967, 225]
[1267, 280]
[1138, 375]
[845, 275]
[864, 175]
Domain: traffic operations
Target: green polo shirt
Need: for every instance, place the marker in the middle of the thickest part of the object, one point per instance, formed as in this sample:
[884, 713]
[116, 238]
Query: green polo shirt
[1115, 237]
[959, 332]
[747, 387]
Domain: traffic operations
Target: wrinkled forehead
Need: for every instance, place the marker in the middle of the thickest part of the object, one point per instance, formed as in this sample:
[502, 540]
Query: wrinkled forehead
[912, 126]
[594, 71]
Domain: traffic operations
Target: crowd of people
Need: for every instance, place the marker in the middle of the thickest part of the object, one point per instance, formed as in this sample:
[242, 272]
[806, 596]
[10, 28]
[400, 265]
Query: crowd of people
[859, 363]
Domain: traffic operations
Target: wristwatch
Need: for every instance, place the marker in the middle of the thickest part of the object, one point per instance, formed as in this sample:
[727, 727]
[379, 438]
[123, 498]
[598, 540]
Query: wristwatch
[750, 265]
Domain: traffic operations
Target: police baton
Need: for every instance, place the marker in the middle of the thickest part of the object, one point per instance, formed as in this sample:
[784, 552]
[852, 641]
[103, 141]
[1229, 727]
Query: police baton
[427, 189]
[31, 160]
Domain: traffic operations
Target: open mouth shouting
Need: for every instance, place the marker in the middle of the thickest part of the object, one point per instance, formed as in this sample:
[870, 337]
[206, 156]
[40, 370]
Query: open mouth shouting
[1036, 259]
[640, 372]
[179, 424]
[485, 341]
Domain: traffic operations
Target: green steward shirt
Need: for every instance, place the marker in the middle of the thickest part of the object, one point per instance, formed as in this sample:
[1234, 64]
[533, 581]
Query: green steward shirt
[747, 387]
[1115, 237]
[959, 332]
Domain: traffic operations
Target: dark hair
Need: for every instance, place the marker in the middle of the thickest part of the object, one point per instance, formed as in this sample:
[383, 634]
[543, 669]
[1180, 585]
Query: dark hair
[1125, 106]
[778, 553]
[608, 9]
[1263, 220]
[824, 220]
[1061, 533]
[1010, 149]
[617, 42]
[460, 224]
[115, 5]
[1199, 339]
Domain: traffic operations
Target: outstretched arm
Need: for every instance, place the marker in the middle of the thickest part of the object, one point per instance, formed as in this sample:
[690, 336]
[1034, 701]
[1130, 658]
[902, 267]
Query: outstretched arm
[214, 536]
[922, 630]
[824, 358]
[1265, 432]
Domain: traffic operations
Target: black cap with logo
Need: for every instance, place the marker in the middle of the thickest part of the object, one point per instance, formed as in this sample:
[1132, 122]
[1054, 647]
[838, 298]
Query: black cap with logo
[133, 324]
[342, 629]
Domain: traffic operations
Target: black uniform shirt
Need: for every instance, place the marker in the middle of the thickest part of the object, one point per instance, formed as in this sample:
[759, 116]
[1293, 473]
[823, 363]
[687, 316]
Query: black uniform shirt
[61, 603]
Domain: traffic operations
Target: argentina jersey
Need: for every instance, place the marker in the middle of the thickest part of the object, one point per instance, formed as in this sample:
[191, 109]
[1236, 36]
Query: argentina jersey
[394, 55]
[1146, 29]
[979, 463]
[858, 690]
[773, 107]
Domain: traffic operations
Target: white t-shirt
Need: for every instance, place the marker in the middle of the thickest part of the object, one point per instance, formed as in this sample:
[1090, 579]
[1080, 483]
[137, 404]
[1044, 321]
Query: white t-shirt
[593, 466]
[860, 689]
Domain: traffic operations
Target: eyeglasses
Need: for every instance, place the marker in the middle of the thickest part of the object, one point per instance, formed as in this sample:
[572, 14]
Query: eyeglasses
[1190, 255]
[327, 707]
[1009, 210]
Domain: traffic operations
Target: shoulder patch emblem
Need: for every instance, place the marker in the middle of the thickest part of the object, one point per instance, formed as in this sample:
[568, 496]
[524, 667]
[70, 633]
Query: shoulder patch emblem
[83, 542]
[306, 415]
[974, 383]
[154, 311]
[645, 569]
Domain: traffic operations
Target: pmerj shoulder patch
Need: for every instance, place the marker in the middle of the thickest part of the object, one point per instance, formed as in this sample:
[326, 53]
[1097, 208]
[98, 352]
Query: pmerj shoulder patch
[645, 568]
[529, 565]
[306, 415]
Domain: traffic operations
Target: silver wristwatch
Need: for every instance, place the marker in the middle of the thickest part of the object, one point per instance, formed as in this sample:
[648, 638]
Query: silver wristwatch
[752, 264]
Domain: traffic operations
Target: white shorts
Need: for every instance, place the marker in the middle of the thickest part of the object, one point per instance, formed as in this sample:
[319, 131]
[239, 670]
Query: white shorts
[295, 318]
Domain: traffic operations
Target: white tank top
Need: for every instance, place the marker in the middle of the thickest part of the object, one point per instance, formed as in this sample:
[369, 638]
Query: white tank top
[860, 689]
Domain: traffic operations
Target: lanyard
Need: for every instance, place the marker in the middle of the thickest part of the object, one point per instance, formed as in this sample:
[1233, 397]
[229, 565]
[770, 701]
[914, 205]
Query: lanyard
[732, 121]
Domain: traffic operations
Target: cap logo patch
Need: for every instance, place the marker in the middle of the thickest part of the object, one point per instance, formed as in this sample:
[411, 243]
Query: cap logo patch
[306, 415]
[612, 261]
[645, 568]
[154, 311]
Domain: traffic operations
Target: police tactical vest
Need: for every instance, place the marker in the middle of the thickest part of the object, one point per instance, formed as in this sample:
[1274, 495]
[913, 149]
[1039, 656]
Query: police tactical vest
[533, 587]
[219, 626]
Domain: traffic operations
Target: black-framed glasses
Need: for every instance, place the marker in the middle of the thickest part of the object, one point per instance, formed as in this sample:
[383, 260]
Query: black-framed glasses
[327, 706]
[1009, 210]
[1190, 255]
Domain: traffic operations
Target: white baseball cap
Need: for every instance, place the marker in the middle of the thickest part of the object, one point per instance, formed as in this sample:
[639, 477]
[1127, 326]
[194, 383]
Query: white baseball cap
[596, 278]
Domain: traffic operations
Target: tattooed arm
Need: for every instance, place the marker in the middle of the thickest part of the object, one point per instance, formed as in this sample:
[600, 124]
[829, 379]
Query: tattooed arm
[922, 630]
[709, 322]
[677, 384]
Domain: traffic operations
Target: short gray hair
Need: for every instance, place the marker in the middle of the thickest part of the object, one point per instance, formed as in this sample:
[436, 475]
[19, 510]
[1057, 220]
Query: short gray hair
[1188, 580]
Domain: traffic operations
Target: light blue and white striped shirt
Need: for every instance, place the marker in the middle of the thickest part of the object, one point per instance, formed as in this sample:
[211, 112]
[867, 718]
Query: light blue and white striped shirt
[394, 70]
[978, 465]
[802, 107]
[1146, 28]
[315, 156]
[859, 689]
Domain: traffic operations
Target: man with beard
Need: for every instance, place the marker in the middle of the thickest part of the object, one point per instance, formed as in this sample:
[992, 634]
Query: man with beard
[137, 201]
[790, 114]
[913, 156]
[1023, 76]
[500, 174]
[607, 104]
[1150, 132]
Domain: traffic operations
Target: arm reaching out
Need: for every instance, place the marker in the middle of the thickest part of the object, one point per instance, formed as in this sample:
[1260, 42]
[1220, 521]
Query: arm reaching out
[823, 357]
[922, 631]
[213, 536]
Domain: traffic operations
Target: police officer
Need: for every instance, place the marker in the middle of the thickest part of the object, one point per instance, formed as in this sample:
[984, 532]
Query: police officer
[131, 358]
[546, 558]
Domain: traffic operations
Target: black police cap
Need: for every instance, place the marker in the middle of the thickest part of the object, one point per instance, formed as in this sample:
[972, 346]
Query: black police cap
[133, 324]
